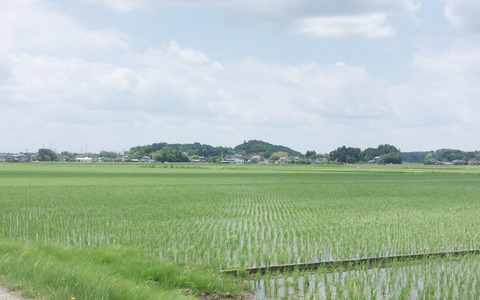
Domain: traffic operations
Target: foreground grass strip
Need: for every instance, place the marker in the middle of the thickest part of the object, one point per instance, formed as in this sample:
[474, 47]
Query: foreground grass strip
[348, 263]
[59, 272]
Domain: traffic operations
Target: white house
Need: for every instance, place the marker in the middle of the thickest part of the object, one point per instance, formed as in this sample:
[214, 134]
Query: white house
[236, 159]
[258, 159]
[239, 159]
[84, 159]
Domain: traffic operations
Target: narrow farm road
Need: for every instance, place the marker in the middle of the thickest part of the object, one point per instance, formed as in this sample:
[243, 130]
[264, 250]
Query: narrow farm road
[5, 294]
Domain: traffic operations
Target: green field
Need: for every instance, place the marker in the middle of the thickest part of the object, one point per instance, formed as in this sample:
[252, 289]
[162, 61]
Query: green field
[198, 219]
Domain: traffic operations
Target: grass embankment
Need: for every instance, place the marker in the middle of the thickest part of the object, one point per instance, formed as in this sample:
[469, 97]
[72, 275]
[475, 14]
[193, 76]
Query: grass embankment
[61, 272]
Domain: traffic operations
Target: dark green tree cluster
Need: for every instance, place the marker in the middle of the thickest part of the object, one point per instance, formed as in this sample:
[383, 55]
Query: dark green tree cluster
[256, 147]
[382, 150]
[415, 156]
[311, 154]
[67, 156]
[44, 155]
[345, 155]
[108, 154]
[389, 154]
[392, 158]
[147, 150]
[451, 155]
[204, 150]
[169, 154]
[195, 149]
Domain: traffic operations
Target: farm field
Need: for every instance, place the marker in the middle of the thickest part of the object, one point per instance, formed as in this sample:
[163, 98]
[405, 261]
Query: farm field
[212, 217]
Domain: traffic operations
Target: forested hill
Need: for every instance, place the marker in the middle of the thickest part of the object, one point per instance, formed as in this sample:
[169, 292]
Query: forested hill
[189, 149]
[248, 149]
[255, 147]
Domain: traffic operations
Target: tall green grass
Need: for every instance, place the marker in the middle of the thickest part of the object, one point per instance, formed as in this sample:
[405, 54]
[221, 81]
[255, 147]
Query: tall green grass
[115, 272]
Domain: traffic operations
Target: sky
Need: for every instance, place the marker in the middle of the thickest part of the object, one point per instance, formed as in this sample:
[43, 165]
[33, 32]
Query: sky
[93, 75]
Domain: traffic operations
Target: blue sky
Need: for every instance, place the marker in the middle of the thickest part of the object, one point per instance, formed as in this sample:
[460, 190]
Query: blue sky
[311, 75]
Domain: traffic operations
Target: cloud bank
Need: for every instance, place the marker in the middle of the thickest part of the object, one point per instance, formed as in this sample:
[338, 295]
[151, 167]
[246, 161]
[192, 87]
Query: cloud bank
[55, 89]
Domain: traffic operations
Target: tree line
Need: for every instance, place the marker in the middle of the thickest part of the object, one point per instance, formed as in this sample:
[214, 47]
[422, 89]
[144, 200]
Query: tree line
[387, 154]
[164, 152]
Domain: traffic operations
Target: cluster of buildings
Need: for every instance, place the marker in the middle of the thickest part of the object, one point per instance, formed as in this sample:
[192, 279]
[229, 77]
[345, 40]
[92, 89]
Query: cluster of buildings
[8, 157]
[434, 161]
[235, 159]
[258, 159]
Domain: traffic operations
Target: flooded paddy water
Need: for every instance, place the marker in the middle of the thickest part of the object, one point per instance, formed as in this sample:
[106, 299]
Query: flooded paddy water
[446, 278]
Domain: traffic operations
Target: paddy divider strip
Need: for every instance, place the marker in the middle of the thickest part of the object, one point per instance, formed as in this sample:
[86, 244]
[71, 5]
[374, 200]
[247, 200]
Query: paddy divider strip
[349, 263]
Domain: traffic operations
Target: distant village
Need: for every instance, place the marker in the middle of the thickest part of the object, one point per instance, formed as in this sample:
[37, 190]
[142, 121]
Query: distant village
[234, 159]
[251, 152]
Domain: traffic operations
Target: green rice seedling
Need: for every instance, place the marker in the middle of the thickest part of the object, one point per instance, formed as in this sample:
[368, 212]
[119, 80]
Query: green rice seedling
[307, 284]
[405, 291]
[295, 279]
[328, 291]
[276, 284]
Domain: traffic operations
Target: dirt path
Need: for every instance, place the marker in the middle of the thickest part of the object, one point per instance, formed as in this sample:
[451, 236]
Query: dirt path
[5, 294]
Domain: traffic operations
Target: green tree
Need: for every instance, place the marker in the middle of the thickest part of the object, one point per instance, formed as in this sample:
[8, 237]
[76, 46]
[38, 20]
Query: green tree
[311, 154]
[276, 156]
[345, 155]
[108, 154]
[386, 148]
[46, 155]
[392, 158]
[67, 156]
[169, 154]
[256, 147]
[368, 154]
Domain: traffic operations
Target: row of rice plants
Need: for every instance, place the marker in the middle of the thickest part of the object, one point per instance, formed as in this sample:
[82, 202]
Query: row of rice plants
[221, 219]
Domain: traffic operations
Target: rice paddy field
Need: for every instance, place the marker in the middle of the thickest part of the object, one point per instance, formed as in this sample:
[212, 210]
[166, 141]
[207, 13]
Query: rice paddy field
[215, 217]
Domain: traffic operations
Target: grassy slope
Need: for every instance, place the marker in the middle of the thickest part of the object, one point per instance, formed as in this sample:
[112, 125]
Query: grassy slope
[62, 272]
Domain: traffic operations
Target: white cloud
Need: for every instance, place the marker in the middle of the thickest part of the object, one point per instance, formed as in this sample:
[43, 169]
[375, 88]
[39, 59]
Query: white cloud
[452, 76]
[324, 18]
[52, 92]
[318, 18]
[309, 8]
[463, 14]
[181, 87]
[29, 26]
[370, 26]
[125, 6]
[178, 94]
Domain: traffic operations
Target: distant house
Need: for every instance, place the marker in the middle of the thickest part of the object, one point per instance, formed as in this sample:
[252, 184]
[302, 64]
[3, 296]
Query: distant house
[473, 161]
[283, 160]
[200, 159]
[320, 160]
[84, 159]
[236, 159]
[239, 159]
[434, 161]
[376, 160]
[20, 157]
[147, 159]
[257, 159]
[459, 162]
